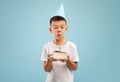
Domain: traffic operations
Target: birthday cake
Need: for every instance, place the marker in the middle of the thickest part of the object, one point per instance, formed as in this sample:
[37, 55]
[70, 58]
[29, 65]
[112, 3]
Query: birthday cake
[59, 55]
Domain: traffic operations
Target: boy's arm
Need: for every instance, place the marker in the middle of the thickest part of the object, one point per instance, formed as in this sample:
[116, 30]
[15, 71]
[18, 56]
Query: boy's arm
[48, 65]
[71, 65]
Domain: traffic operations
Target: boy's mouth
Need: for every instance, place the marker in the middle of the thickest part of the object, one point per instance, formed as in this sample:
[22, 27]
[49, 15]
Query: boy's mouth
[58, 34]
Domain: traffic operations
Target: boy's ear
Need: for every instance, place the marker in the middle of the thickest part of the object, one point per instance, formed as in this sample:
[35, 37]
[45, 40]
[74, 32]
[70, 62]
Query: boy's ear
[66, 28]
[50, 29]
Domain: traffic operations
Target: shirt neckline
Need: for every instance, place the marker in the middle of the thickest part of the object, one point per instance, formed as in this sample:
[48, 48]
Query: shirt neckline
[60, 46]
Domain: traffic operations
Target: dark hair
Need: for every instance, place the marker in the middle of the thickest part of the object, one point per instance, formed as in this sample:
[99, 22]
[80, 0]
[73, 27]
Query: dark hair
[57, 18]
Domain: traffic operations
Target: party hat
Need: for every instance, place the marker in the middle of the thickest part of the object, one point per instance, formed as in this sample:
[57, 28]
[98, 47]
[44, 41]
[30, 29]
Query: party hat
[60, 11]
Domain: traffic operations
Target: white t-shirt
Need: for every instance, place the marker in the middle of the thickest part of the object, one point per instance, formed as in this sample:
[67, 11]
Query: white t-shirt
[60, 72]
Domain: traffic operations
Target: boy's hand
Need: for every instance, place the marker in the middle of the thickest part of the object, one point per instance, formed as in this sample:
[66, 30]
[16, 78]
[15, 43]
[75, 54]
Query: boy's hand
[66, 59]
[51, 58]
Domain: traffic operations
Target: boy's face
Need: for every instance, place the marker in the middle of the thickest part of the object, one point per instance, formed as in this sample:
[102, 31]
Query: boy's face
[58, 28]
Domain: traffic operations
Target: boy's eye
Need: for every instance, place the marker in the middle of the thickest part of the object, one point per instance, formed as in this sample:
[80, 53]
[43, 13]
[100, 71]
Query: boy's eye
[62, 27]
[55, 27]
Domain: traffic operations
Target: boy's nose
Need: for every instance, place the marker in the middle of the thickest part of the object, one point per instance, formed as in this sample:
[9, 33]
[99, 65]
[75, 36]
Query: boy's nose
[59, 29]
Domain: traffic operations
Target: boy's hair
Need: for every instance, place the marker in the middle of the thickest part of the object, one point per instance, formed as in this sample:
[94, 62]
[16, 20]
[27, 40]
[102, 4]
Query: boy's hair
[57, 18]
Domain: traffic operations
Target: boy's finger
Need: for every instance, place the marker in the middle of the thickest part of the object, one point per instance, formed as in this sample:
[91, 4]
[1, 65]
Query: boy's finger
[49, 55]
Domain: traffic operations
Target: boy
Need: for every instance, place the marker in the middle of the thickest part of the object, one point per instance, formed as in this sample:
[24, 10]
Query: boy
[59, 70]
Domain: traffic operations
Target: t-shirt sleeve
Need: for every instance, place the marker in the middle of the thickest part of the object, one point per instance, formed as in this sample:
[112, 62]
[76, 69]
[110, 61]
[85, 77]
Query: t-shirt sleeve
[44, 55]
[75, 56]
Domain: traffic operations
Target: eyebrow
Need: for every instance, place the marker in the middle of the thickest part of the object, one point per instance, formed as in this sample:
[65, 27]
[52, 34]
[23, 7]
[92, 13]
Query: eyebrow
[57, 25]
[63, 25]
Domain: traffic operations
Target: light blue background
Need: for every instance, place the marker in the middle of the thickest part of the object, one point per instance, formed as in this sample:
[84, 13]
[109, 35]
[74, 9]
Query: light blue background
[94, 26]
